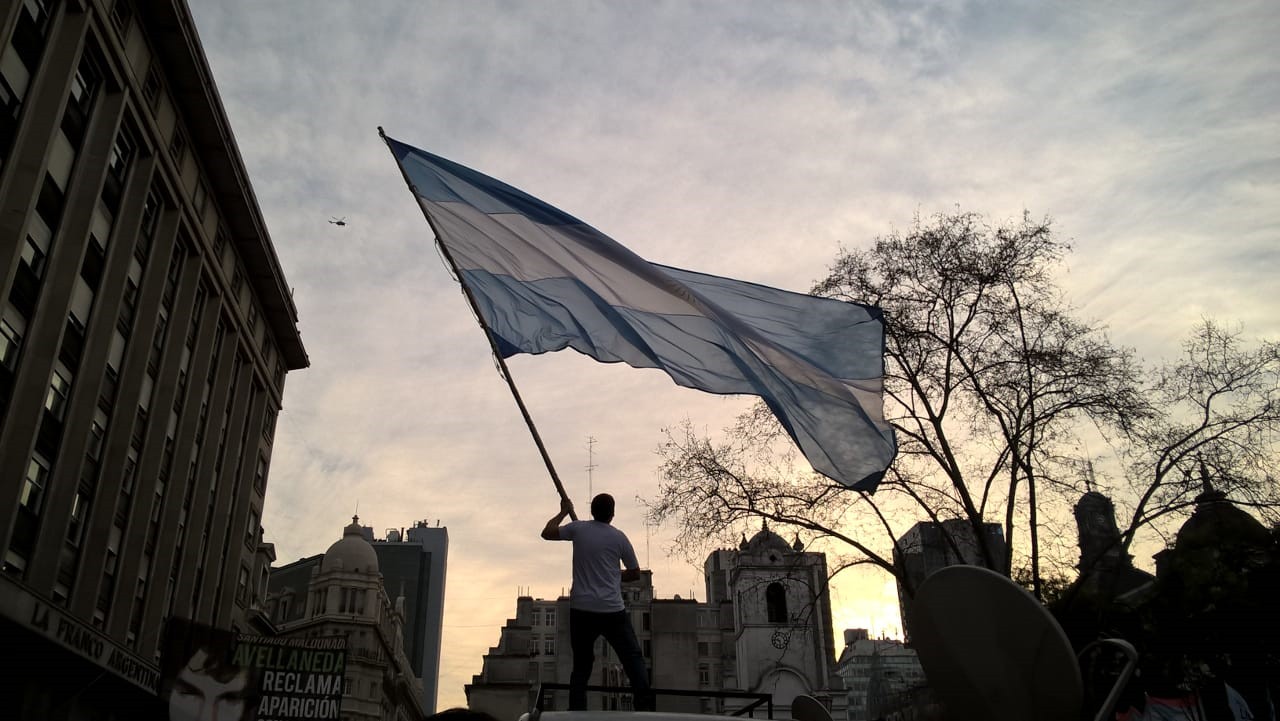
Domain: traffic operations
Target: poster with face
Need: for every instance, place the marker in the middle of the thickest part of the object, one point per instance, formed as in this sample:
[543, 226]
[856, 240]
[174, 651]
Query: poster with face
[210, 673]
[200, 678]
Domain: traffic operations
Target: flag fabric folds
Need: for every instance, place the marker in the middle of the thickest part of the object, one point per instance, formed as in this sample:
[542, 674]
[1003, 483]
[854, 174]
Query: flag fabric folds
[543, 281]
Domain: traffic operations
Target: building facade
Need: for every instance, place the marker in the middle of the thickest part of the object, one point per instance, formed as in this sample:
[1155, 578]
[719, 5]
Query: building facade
[411, 567]
[414, 563]
[146, 328]
[881, 675]
[341, 593]
[764, 628]
[927, 547]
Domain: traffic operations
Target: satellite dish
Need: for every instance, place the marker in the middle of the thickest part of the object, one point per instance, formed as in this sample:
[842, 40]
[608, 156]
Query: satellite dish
[808, 708]
[991, 651]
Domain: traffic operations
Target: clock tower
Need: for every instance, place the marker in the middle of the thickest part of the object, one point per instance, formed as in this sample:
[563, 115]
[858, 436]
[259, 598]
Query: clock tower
[782, 617]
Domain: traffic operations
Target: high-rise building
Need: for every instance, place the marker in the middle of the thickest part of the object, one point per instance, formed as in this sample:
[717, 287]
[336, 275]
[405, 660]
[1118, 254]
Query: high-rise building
[764, 629]
[146, 328]
[927, 547]
[880, 675]
[414, 564]
[411, 567]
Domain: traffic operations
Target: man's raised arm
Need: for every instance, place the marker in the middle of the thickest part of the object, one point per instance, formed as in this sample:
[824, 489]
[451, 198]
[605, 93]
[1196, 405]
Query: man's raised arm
[630, 566]
[551, 531]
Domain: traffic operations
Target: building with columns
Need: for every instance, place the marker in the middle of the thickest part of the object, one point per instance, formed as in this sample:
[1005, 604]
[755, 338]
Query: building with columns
[764, 628]
[407, 567]
[341, 593]
[146, 327]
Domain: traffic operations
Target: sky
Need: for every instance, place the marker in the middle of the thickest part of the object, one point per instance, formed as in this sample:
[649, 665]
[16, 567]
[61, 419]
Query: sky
[745, 139]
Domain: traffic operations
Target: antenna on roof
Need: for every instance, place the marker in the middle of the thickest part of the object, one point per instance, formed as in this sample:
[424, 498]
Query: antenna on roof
[646, 543]
[591, 465]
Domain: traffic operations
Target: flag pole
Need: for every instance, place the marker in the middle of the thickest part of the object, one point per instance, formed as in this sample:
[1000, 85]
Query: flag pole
[488, 334]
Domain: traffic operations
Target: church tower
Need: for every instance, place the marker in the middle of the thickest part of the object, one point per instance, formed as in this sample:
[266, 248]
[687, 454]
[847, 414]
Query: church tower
[782, 618]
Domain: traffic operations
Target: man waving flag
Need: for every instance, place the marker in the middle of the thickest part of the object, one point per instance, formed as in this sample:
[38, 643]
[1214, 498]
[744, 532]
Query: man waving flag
[542, 280]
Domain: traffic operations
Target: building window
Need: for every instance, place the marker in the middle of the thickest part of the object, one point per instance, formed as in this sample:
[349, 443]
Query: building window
[260, 475]
[551, 617]
[130, 471]
[59, 388]
[83, 88]
[251, 531]
[79, 507]
[200, 198]
[10, 342]
[177, 144]
[776, 601]
[549, 646]
[268, 433]
[10, 108]
[117, 168]
[242, 585]
[33, 484]
[351, 600]
[36, 250]
[97, 431]
[81, 304]
[121, 154]
[704, 674]
[150, 216]
[151, 86]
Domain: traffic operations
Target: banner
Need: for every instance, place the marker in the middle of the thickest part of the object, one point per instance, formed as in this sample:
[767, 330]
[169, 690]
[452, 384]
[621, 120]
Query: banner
[213, 673]
[300, 678]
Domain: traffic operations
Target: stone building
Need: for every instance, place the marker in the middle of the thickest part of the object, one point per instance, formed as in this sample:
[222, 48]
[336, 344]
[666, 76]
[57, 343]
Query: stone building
[764, 628]
[146, 328]
[344, 595]
[412, 565]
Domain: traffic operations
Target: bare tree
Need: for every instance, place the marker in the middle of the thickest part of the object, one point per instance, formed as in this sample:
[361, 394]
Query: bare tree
[987, 375]
[1219, 420]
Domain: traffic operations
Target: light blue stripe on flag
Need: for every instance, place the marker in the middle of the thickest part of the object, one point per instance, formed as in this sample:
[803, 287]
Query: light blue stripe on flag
[545, 281]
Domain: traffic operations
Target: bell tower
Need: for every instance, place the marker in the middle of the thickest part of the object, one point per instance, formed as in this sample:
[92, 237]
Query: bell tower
[782, 618]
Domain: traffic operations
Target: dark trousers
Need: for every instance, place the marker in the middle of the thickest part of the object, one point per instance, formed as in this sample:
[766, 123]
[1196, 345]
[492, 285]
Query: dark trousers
[584, 628]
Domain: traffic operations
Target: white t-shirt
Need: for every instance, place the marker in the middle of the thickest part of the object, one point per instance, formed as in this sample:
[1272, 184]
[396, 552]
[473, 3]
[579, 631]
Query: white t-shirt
[597, 550]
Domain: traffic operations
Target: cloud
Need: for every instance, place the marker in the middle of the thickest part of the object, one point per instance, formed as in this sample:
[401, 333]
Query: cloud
[747, 139]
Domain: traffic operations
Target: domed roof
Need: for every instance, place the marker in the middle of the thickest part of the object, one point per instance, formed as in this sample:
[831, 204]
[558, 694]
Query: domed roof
[1218, 522]
[351, 553]
[765, 540]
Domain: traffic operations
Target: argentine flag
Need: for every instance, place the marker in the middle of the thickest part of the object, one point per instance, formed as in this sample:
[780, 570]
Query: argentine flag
[544, 281]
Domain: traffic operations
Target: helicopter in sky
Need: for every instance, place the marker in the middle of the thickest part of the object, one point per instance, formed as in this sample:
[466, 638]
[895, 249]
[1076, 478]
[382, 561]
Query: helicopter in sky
[338, 221]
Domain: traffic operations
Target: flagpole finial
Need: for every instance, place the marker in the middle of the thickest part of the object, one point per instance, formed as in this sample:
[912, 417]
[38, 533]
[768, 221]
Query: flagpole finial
[381, 133]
